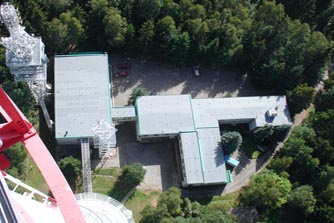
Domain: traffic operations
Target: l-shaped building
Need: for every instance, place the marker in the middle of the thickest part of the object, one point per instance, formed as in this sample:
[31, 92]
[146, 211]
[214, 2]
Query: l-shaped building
[81, 81]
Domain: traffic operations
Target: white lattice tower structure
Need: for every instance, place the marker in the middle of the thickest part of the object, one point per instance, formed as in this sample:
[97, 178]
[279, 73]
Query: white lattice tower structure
[103, 133]
[25, 55]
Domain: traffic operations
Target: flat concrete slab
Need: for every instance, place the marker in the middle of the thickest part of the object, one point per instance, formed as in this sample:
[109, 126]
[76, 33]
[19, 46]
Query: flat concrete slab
[157, 158]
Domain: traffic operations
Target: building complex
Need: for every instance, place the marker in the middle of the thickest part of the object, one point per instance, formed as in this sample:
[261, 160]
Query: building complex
[82, 99]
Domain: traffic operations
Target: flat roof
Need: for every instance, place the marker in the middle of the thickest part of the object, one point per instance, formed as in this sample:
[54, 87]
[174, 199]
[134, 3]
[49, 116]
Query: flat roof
[164, 114]
[124, 112]
[82, 94]
[203, 156]
[208, 111]
[212, 154]
[197, 122]
[192, 157]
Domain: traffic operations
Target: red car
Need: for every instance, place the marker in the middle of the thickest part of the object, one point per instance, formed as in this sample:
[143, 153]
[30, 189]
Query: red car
[123, 66]
[121, 74]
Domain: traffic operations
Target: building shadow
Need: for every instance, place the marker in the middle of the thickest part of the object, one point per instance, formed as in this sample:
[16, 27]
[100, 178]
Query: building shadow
[198, 192]
[243, 161]
[157, 158]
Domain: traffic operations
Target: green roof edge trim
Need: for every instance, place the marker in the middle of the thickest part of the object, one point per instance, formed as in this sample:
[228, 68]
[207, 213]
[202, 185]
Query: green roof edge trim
[192, 111]
[137, 115]
[201, 156]
[109, 89]
[229, 176]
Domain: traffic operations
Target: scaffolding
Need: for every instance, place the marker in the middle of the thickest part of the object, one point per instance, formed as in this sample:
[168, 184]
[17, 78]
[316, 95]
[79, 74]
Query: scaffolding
[25, 55]
[103, 135]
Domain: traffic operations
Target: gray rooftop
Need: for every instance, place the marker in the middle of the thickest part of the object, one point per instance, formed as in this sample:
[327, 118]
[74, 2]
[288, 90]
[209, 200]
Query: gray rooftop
[213, 163]
[82, 94]
[208, 111]
[168, 114]
[123, 112]
[203, 156]
[192, 157]
[197, 122]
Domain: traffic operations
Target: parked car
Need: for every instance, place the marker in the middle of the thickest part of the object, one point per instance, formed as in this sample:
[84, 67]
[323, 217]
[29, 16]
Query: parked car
[196, 71]
[123, 66]
[121, 74]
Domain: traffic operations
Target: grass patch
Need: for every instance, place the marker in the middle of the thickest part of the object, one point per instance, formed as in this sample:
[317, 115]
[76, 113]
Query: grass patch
[103, 184]
[103, 180]
[138, 201]
[226, 202]
[34, 177]
[108, 172]
[249, 146]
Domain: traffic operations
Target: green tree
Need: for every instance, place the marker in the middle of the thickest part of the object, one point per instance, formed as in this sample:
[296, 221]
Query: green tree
[70, 166]
[305, 133]
[266, 191]
[323, 124]
[65, 34]
[171, 8]
[146, 35]
[150, 215]
[302, 199]
[172, 200]
[116, 28]
[231, 141]
[21, 95]
[324, 151]
[280, 132]
[179, 47]
[302, 10]
[16, 154]
[96, 14]
[214, 216]
[149, 9]
[300, 98]
[304, 165]
[137, 92]
[280, 165]
[55, 7]
[263, 134]
[132, 175]
[282, 53]
[325, 100]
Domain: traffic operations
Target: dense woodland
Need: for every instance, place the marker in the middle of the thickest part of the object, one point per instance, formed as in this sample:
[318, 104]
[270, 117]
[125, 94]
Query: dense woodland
[284, 45]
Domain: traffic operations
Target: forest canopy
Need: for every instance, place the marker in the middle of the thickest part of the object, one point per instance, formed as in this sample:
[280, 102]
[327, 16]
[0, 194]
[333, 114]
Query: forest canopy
[278, 48]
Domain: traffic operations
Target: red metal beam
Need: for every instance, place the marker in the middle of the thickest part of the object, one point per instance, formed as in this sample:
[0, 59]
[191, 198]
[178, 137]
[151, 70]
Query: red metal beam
[18, 128]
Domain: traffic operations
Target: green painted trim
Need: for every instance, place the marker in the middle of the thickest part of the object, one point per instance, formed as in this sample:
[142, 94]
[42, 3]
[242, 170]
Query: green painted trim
[192, 112]
[74, 137]
[137, 116]
[229, 176]
[83, 54]
[109, 89]
[187, 131]
[201, 157]
[124, 106]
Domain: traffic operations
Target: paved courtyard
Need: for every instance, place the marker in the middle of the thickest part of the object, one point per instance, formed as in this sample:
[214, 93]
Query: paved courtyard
[157, 158]
[168, 79]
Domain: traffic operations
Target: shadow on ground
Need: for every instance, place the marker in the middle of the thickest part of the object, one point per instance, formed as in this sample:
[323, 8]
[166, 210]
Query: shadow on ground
[157, 158]
[168, 79]
[202, 191]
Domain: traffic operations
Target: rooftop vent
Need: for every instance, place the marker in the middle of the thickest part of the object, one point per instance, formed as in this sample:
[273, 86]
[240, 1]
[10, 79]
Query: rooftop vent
[272, 112]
